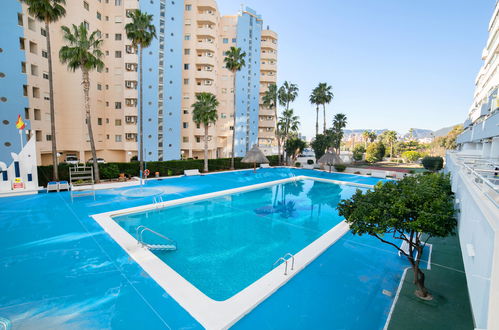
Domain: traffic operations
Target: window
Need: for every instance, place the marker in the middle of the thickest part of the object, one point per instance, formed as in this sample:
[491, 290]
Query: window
[186, 112]
[188, 7]
[21, 43]
[185, 125]
[234, 40]
[226, 40]
[117, 138]
[99, 87]
[117, 105]
[37, 114]
[48, 137]
[85, 5]
[187, 51]
[186, 81]
[187, 37]
[33, 47]
[45, 54]
[186, 66]
[43, 32]
[26, 113]
[38, 135]
[117, 36]
[117, 19]
[20, 19]
[31, 24]
[87, 26]
[36, 92]
[99, 16]
[117, 2]
[99, 121]
[223, 115]
[34, 70]
[117, 122]
[185, 139]
[117, 54]
[198, 139]
[45, 75]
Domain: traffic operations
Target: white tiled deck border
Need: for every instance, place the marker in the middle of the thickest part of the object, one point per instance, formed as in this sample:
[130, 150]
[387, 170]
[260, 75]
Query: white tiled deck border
[210, 313]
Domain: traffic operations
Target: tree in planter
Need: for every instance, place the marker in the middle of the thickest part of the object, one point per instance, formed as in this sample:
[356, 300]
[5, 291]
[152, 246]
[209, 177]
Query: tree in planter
[141, 31]
[375, 152]
[205, 112]
[83, 52]
[294, 146]
[412, 210]
[234, 61]
[49, 11]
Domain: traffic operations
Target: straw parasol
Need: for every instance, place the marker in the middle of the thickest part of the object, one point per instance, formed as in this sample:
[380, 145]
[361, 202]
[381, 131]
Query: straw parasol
[254, 156]
[330, 159]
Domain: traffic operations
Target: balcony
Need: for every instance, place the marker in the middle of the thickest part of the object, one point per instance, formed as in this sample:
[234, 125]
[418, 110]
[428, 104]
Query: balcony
[205, 44]
[267, 55]
[205, 16]
[203, 58]
[270, 67]
[206, 31]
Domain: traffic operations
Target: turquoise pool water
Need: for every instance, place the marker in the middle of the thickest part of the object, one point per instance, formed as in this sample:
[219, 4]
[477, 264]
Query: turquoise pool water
[228, 242]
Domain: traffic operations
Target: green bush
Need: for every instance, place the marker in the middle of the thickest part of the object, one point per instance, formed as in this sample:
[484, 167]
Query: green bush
[297, 164]
[109, 171]
[358, 151]
[411, 156]
[310, 161]
[375, 152]
[433, 163]
[340, 167]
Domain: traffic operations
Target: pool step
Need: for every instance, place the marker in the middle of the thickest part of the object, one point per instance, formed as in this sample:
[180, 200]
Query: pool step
[160, 247]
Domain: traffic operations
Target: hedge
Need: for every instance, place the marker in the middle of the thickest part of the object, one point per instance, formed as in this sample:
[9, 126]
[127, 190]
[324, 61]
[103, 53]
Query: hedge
[165, 168]
[433, 163]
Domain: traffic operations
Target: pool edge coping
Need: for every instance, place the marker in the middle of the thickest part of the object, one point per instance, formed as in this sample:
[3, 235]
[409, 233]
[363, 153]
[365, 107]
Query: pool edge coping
[210, 313]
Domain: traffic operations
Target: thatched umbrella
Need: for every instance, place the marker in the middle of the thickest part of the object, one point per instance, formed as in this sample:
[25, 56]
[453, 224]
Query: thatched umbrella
[330, 158]
[254, 156]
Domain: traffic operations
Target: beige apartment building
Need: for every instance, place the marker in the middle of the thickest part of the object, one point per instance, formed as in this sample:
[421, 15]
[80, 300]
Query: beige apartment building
[206, 36]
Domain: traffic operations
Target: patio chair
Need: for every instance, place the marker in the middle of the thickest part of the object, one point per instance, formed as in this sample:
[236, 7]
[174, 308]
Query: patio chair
[63, 185]
[264, 166]
[52, 186]
[191, 172]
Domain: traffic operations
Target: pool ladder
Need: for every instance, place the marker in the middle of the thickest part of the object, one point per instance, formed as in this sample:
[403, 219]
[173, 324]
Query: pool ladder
[170, 246]
[158, 200]
[285, 259]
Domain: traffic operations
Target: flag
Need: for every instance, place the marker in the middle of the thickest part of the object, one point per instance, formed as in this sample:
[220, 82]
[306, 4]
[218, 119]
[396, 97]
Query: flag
[20, 123]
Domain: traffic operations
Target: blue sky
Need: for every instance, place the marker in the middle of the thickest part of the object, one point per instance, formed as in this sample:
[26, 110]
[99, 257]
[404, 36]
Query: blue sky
[393, 64]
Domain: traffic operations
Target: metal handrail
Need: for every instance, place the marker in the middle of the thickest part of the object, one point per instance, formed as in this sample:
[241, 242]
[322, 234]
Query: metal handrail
[140, 232]
[292, 259]
[285, 262]
[283, 259]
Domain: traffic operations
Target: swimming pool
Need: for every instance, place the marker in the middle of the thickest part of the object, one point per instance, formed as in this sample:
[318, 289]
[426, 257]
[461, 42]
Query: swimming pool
[226, 243]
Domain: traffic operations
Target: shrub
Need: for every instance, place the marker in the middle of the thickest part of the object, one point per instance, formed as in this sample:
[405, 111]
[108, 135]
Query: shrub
[297, 164]
[375, 152]
[109, 171]
[400, 161]
[358, 151]
[433, 163]
[340, 167]
[310, 161]
[411, 156]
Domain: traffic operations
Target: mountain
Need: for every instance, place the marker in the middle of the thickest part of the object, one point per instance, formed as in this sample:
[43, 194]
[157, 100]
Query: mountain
[443, 131]
[417, 133]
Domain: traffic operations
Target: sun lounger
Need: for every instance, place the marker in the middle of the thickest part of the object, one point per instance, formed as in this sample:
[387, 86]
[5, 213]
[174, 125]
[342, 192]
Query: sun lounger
[191, 172]
[264, 165]
[63, 185]
[379, 174]
[52, 186]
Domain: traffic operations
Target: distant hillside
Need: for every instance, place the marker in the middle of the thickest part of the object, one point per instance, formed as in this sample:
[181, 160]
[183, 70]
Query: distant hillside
[418, 133]
[443, 131]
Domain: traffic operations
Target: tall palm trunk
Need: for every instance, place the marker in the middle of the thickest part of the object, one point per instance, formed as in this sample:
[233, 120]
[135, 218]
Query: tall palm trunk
[277, 133]
[324, 108]
[86, 90]
[205, 147]
[317, 121]
[141, 120]
[55, 172]
[234, 124]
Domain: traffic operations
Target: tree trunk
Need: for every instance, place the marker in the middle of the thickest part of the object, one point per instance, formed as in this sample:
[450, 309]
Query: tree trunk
[276, 132]
[419, 279]
[324, 108]
[86, 89]
[391, 150]
[141, 119]
[55, 172]
[234, 124]
[317, 121]
[205, 147]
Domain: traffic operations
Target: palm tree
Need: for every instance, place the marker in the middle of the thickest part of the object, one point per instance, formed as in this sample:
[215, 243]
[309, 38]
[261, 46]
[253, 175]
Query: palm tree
[141, 32]
[339, 123]
[49, 11]
[83, 52]
[390, 137]
[205, 112]
[234, 61]
[288, 125]
[365, 136]
[286, 94]
[325, 96]
[315, 100]
[269, 100]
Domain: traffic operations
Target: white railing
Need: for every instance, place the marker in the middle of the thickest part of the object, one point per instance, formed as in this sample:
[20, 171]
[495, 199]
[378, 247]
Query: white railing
[485, 175]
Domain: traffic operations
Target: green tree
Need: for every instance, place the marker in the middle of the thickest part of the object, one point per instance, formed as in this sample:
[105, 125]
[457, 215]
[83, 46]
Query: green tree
[375, 152]
[433, 164]
[49, 11]
[316, 100]
[413, 210]
[205, 113]
[294, 146]
[411, 156]
[141, 32]
[320, 144]
[269, 100]
[234, 61]
[358, 151]
[389, 138]
[83, 52]
[368, 136]
[286, 94]
[288, 125]
[449, 141]
[336, 132]
[325, 96]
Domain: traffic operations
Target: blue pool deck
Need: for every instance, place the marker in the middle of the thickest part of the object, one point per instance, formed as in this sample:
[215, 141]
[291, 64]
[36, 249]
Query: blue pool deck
[60, 270]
